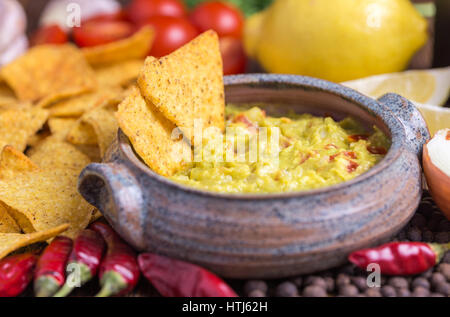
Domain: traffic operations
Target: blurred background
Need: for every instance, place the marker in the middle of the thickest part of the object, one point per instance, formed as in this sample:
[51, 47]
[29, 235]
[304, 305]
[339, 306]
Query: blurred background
[437, 52]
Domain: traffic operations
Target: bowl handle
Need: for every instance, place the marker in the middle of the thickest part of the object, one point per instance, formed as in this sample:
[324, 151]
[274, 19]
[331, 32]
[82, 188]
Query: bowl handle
[115, 192]
[416, 129]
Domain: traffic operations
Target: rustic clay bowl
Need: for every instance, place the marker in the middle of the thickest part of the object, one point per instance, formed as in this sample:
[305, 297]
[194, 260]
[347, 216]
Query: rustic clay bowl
[269, 235]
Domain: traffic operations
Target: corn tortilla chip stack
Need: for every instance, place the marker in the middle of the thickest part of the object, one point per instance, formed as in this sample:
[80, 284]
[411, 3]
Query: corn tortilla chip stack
[82, 133]
[150, 133]
[43, 198]
[17, 126]
[133, 47]
[187, 84]
[49, 70]
[119, 74]
[10, 242]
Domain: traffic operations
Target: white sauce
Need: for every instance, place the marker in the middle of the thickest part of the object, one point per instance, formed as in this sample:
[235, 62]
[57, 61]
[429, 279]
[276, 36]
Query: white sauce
[439, 151]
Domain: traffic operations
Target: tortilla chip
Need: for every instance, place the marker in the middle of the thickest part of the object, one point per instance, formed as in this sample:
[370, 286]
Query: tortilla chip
[48, 197]
[60, 127]
[82, 133]
[7, 96]
[7, 223]
[17, 105]
[10, 242]
[13, 161]
[37, 138]
[91, 151]
[17, 126]
[187, 84]
[49, 70]
[105, 125]
[133, 47]
[96, 214]
[150, 133]
[75, 107]
[120, 74]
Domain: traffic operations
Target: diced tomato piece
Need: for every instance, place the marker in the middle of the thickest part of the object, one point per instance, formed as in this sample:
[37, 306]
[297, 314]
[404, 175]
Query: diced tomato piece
[93, 33]
[49, 34]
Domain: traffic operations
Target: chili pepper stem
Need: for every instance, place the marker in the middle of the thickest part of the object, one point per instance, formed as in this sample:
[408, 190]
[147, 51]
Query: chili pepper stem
[440, 250]
[112, 284]
[45, 286]
[84, 275]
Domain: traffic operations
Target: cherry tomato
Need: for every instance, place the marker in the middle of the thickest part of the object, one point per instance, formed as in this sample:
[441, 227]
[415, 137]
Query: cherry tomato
[233, 55]
[139, 11]
[49, 34]
[92, 33]
[219, 16]
[170, 34]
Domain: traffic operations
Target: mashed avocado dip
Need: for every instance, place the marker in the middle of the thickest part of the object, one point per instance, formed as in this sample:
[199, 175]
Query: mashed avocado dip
[310, 152]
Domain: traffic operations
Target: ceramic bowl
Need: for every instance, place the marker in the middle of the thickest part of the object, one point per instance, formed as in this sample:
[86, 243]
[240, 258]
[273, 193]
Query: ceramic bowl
[269, 235]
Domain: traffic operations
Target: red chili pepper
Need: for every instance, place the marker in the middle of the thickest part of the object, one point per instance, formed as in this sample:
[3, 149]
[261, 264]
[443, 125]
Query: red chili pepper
[50, 269]
[357, 137]
[119, 271]
[175, 278]
[16, 272]
[87, 253]
[377, 150]
[401, 258]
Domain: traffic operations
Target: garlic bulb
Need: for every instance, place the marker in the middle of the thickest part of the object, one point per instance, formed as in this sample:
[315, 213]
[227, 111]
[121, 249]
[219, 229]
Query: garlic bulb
[58, 11]
[13, 22]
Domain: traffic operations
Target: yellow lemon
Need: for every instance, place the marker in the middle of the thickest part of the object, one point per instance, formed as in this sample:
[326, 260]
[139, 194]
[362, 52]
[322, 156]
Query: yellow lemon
[421, 86]
[437, 118]
[335, 40]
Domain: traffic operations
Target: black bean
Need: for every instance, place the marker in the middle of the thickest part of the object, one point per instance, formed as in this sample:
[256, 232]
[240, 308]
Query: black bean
[403, 292]
[314, 291]
[446, 258]
[414, 234]
[342, 279]
[373, 292]
[315, 280]
[427, 236]
[257, 293]
[420, 281]
[360, 282]
[442, 237]
[348, 290]
[444, 269]
[437, 278]
[388, 291]
[255, 285]
[418, 220]
[444, 226]
[443, 288]
[286, 289]
[427, 274]
[420, 292]
[398, 282]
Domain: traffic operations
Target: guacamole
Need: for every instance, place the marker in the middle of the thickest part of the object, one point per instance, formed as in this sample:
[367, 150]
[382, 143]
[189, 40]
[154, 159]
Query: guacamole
[309, 152]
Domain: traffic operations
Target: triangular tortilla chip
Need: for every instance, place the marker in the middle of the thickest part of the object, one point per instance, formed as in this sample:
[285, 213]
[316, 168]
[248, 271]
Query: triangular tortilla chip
[150, 133]
[10, 242]
[7, 223]
[49, 70]
[136, 46]
[187, 84]
[119, 74]
[17, 126]
[13, 162]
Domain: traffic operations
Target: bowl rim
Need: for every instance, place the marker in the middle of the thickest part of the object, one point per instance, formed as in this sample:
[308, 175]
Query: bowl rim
[126, 148]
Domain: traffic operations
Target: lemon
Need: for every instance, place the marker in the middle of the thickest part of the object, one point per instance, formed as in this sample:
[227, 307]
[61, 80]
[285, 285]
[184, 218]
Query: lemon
[335, 40]
[421, 86]
[437, 118]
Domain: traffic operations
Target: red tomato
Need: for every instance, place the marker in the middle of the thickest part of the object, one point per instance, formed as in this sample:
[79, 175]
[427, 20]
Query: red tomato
[49, 34]
[170, 34]
[223, 18]
[92, 33]
[233, 55]
[139, 11]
